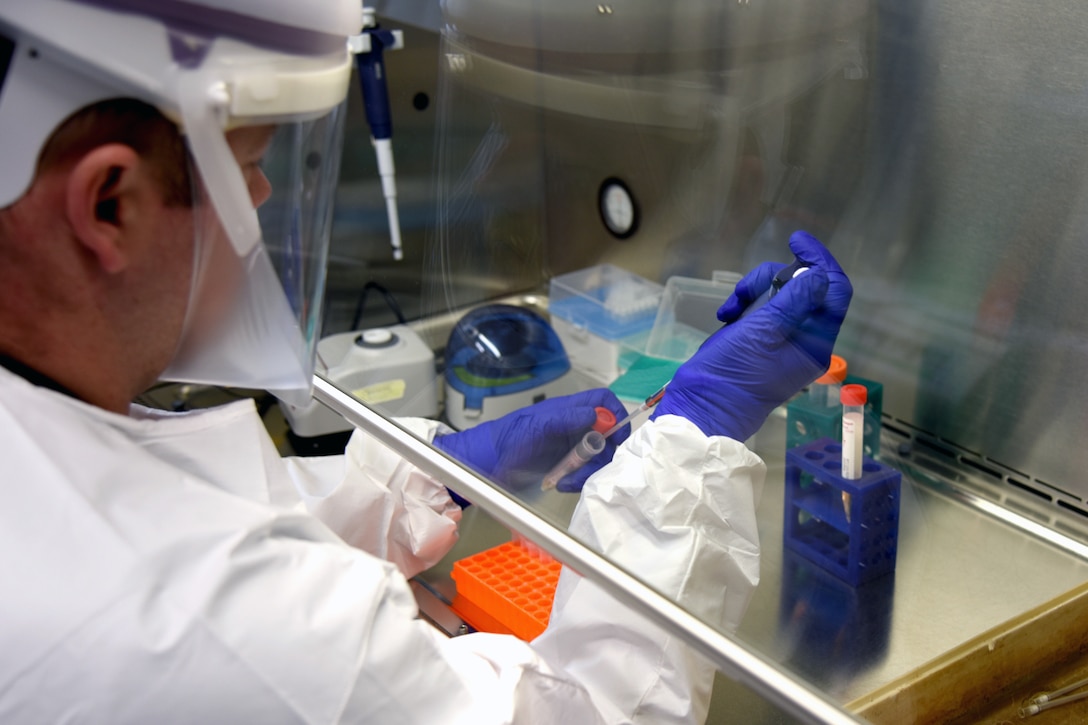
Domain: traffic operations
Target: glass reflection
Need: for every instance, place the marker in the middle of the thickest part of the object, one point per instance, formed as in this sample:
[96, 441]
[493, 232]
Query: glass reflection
[906, 138]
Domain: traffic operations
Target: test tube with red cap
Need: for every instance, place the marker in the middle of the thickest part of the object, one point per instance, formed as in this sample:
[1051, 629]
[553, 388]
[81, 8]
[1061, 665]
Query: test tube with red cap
[853, 399]
[591, 445]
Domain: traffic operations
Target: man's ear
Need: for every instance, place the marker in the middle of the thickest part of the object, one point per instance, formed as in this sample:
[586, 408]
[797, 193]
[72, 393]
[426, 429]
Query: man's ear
[102, 194]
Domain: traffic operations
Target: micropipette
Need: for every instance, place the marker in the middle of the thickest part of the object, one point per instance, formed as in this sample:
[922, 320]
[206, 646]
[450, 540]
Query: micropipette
[593, 442]
[369, 46]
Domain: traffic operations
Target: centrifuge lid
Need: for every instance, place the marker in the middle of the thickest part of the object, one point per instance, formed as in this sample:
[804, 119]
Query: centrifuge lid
[502, 349]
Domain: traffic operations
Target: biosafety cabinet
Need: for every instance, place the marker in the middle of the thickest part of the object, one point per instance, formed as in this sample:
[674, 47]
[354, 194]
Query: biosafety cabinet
[938, 149]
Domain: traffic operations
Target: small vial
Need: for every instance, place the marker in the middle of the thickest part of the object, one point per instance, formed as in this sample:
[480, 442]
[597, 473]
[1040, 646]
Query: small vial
[853, 399]
[589, 447]
[824, 391]
[592, 443]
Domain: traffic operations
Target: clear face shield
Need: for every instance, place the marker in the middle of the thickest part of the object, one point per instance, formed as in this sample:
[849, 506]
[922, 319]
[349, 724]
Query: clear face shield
[262, 208]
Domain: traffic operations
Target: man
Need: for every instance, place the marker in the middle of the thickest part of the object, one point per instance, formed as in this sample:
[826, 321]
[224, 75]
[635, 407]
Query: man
[171, 567]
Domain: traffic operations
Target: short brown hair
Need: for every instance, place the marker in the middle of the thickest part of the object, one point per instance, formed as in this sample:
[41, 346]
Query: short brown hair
[138, 125]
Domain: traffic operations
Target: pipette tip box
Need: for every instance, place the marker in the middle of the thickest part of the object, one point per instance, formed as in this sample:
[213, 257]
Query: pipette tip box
[603, 316]
[848, 527]
[507, 589]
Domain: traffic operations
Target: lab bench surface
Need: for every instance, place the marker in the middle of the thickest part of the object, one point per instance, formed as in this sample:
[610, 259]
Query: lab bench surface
[960, 573]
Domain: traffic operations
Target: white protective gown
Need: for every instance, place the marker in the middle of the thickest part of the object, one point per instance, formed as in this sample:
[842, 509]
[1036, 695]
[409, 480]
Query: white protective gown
[173, 568]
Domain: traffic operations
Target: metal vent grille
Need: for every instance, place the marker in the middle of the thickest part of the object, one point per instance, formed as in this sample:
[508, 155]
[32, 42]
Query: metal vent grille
[980, 478]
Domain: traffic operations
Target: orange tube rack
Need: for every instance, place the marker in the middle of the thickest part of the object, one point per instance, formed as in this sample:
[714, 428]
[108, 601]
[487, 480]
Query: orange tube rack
[507, 589]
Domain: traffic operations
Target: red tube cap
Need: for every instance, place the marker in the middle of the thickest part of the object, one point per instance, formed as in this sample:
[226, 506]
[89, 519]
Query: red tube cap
[853, 395]
[605, 420]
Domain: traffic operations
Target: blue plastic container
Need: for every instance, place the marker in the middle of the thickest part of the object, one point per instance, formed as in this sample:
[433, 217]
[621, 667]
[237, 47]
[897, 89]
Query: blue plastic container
[833, 629]
[854, 536]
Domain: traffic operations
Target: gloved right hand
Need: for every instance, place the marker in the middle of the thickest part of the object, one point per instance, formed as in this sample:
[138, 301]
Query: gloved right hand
[756, 362]
[518, 449]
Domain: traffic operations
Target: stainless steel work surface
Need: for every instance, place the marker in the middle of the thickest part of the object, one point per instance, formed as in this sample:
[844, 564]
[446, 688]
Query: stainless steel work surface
[959, 573]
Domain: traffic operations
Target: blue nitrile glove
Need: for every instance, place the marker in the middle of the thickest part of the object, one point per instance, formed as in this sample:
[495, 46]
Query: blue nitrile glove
[520, 448]
[752, 365]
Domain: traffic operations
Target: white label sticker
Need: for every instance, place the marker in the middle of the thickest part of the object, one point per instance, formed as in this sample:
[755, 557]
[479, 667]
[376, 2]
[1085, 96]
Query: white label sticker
[852, 429]
[381, 392]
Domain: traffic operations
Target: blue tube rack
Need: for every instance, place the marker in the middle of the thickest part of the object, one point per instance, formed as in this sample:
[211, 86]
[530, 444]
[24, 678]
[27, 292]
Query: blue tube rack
[857, 546]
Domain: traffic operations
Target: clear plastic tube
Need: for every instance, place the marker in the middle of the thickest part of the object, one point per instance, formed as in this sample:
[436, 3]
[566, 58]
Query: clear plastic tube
[1046, 697]
[592, 443]
[853, 431]
[1035, 708]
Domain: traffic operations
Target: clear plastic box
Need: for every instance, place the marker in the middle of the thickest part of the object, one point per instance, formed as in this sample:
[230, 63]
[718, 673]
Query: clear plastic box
[603, 315]
[688, 314]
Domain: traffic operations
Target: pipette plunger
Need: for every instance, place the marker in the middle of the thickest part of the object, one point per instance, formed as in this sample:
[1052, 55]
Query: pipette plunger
[784, 275]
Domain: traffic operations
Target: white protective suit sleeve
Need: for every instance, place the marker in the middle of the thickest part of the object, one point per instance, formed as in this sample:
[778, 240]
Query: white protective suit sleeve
[378, 502]
[372, 498]
[677, 509]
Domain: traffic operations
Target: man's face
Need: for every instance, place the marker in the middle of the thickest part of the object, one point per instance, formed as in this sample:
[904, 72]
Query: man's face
[249, 146]
[219, 271]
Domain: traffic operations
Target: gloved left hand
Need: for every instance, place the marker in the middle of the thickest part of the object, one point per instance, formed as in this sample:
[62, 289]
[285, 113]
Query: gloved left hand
[520, 448]
[756, 362]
